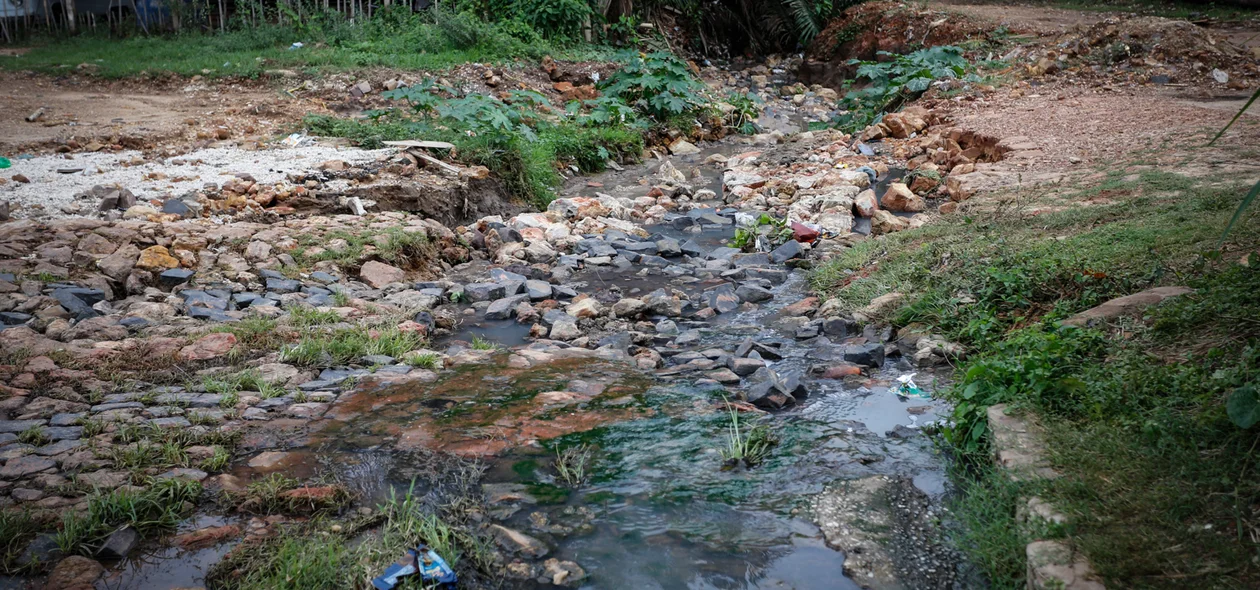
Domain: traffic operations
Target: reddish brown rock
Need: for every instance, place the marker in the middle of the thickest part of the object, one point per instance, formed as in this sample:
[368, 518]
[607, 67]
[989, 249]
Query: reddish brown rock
[865, 204]
[208, 347]
[900, 198]
[156, 258]
[208, 536]
[75, 573]
[379, 274]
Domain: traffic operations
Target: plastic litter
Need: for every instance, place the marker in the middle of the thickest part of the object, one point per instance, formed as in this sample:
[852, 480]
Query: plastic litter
[403, 568]
[431, 567]
[296, 140]
[4, 163]
[908, 388]
[296, 45]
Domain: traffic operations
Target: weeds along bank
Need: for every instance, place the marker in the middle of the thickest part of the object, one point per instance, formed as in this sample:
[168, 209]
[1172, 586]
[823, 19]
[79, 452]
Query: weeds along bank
[1150, 414]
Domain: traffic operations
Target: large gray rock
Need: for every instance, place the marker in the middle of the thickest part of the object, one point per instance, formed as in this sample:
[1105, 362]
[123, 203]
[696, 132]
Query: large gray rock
[119, 544]
[502, 309]
[483, 291]
[868, 355]
[722, 298]
[565, 330]
[538, 290]
[753, 293]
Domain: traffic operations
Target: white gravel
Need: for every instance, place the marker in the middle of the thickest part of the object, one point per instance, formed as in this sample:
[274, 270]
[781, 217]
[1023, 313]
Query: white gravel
[55, 191]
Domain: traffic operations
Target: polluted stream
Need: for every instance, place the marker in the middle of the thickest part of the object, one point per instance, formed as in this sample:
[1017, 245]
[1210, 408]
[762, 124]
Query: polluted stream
[658, 509]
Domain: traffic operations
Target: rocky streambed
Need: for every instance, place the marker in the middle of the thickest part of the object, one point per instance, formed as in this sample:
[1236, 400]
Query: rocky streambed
[622, 321]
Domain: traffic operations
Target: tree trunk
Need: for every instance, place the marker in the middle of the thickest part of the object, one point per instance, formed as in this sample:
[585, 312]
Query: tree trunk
[68, 8]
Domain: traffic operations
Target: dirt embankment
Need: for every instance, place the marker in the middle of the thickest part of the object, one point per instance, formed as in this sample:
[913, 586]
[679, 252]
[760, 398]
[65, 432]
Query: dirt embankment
[863, 31]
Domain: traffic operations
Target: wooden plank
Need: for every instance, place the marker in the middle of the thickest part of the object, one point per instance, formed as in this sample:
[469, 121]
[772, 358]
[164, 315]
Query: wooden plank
[436, 162]
[413, 143]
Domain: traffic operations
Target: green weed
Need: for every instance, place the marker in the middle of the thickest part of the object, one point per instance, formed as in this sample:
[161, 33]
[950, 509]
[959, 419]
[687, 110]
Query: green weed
[479, 343]
[426, 360]
[342, 347]
[303, 316]
[34, 436]
[896, 81]
[17, 527]
[573, 464]
[159, 507]
[217, 461]
[747, 445]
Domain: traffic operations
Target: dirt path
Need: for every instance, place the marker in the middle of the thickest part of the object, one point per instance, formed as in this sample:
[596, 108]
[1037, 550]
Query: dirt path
[1049, 21]
[136, 113]
[1040, 20]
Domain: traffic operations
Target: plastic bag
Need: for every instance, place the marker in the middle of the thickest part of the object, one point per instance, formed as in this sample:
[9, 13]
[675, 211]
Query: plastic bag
[908, 388]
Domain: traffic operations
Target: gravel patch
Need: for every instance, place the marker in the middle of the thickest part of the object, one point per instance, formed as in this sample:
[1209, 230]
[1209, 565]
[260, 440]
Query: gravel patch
[55, 191]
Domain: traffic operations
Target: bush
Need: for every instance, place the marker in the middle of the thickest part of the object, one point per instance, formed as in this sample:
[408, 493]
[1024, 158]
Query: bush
[658, 85]
[896, 82]
[521, 139]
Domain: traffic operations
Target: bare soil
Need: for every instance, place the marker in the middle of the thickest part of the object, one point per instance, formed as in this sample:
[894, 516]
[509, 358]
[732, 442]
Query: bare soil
[134, 113]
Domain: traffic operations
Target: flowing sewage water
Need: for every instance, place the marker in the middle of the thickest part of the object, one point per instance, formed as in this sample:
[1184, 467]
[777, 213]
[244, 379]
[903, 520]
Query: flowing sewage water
[658, 511]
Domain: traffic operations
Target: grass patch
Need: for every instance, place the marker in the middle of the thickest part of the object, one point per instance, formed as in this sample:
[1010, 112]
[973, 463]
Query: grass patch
[747, 444]
[303, 316]
[1158, 481]
[229, 386]
[346, 346]
[34, 436]
[479, 343]
[394, 245]
[159, 507]
[573, 464]
[425, 360]
[989, 533]
[255, 333]
[17, 527]
[218, 461]
[275, 494]
[318, 555]
[391, 38]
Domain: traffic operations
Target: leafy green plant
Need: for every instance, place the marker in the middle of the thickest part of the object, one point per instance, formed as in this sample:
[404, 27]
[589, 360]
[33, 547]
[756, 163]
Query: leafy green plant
[746, 107]
[603, 111]
[895, 82]
[773, 231]
[658, 84]
[1039, 366]
[553, 18]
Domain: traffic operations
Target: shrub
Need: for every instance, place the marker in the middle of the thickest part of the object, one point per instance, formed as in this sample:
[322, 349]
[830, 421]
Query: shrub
[896, 82]
[658, 84]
